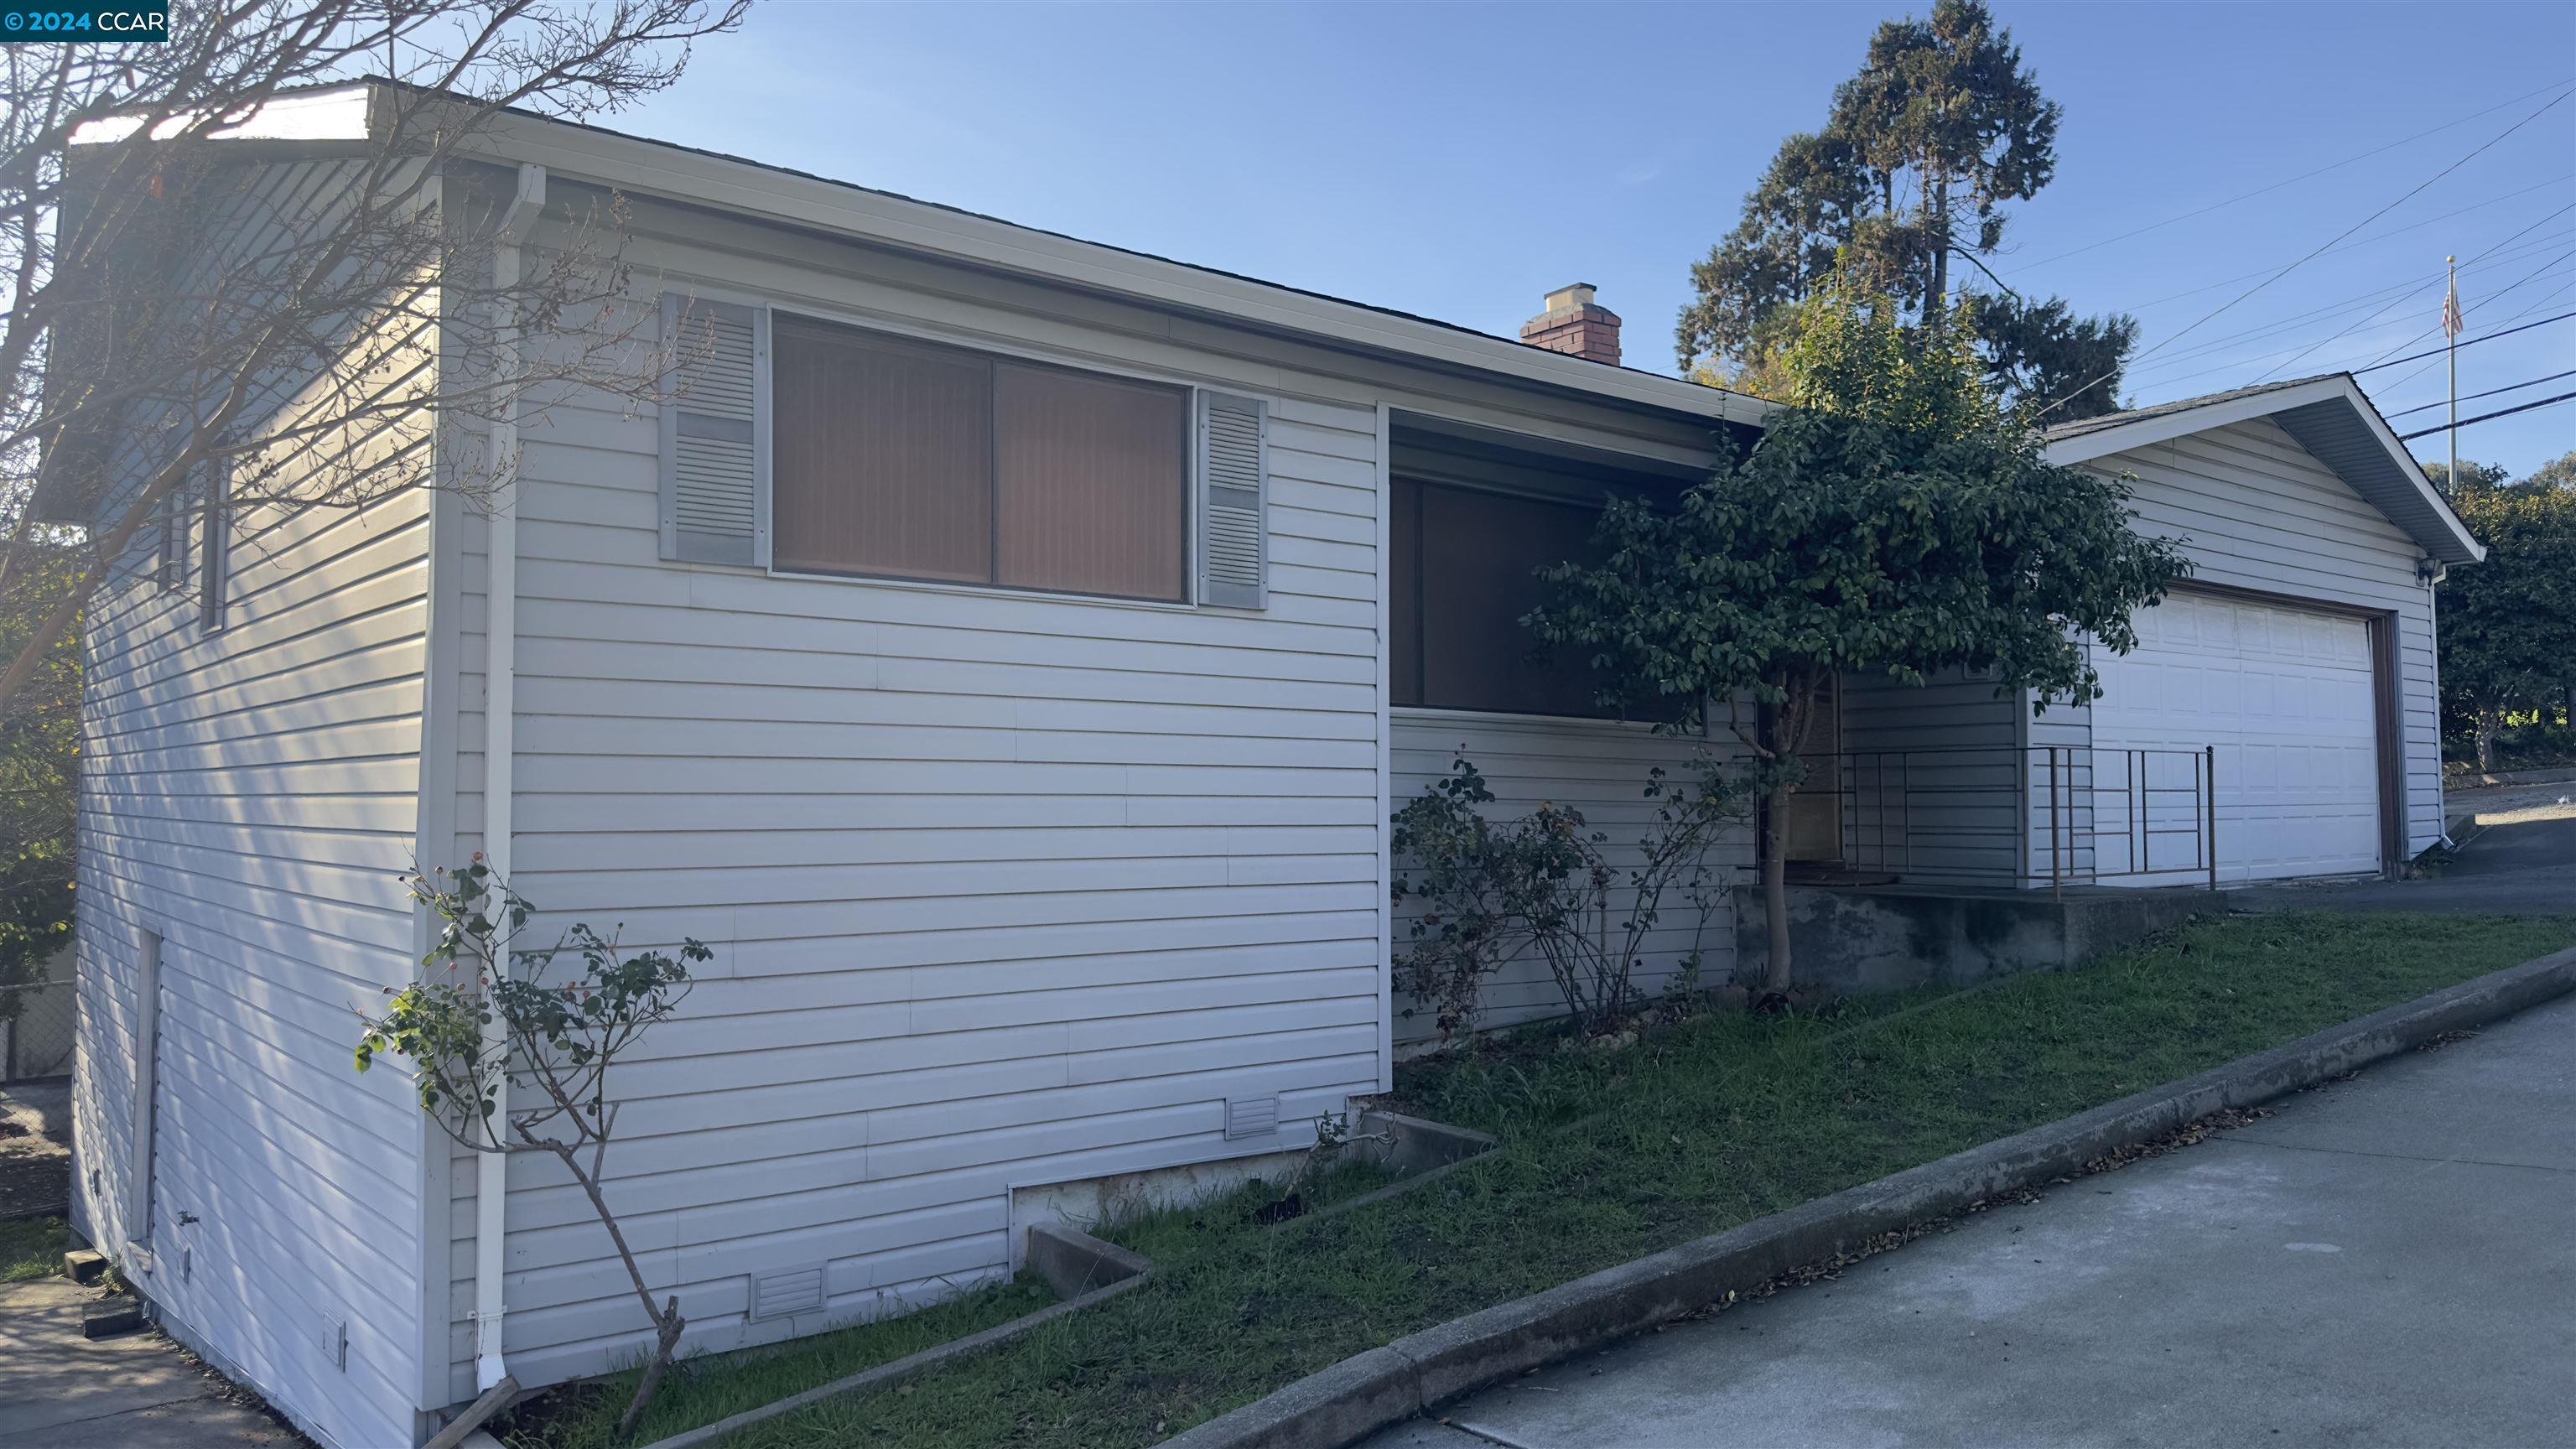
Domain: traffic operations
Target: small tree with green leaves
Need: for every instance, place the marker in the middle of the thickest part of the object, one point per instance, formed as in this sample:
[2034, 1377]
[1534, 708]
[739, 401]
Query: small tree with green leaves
[560, 1032]
[1892, 521]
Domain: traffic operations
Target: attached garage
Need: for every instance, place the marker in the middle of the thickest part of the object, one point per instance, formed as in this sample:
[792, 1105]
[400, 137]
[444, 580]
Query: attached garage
[2295, 677]
[2287, 699]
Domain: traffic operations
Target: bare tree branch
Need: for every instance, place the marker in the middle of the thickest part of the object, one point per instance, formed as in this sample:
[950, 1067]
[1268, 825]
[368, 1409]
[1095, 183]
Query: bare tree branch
[191, 294]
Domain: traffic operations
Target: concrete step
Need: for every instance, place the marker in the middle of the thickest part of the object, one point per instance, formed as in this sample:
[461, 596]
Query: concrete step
[111, 1316]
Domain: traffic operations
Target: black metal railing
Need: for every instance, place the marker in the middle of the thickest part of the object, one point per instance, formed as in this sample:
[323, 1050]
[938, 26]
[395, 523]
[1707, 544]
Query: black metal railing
[2054, 815]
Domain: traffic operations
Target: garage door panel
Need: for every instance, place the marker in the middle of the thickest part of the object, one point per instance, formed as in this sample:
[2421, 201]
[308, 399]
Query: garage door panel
[2286, 698]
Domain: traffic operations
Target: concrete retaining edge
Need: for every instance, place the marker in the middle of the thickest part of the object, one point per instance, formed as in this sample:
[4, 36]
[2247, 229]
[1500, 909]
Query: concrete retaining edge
[886, 1375]
[1386, 1386]
[1088, 1270]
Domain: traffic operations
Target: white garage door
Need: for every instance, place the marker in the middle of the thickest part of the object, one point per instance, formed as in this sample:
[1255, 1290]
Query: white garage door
[2286, 697]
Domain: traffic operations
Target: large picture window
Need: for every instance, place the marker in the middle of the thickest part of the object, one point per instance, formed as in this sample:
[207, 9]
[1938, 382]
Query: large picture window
[1463, 574]
[910, 460]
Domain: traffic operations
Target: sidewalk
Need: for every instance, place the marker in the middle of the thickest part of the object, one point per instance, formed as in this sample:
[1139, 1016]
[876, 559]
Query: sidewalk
[2389, 1261]
[59, 1390]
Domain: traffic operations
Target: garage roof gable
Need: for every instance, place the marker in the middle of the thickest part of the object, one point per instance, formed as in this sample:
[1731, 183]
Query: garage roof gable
[2329, 416]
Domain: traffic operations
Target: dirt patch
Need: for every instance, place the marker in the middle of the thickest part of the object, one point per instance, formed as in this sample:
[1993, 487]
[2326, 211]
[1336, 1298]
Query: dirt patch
[35, 1152]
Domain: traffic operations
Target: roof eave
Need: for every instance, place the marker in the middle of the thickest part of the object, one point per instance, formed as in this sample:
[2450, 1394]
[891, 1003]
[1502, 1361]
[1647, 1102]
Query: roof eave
[750, 189]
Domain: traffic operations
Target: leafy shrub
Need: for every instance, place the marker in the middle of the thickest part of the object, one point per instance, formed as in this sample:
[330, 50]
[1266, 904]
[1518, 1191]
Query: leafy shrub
[1490, 892]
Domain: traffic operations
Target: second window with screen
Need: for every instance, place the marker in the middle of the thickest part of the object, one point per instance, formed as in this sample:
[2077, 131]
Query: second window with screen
[1464, 573]
[900, 459]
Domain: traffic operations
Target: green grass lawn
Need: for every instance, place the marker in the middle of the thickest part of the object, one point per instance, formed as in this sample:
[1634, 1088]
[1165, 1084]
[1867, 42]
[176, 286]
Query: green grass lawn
[32, 1248]
[701, 1391]
[1712, 1122]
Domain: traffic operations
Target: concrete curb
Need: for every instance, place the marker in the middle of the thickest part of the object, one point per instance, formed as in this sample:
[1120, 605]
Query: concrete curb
[1386, 1386]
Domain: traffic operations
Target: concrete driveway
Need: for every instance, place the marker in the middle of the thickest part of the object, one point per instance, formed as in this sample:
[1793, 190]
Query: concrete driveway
[2390, 1260]
[59, 1390]
[2521, 860]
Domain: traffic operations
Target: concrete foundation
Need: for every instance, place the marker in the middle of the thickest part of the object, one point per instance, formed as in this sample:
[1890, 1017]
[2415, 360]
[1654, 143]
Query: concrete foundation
[1853, 940]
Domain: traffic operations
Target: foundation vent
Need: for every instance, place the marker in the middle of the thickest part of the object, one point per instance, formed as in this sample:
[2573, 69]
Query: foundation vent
[788, 1292]
[1251, 1117]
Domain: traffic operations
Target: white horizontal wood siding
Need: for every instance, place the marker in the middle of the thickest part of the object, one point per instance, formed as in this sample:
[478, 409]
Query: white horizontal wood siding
[1930, 775]
[2253, 510]
[250, 795]
[2257, 511]
[1004, 890]
[1600, 768]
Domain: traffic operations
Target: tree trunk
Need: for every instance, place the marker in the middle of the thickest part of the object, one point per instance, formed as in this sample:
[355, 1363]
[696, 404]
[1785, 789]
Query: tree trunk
[2486, 739]
[1773, 849]
[1936, 223]
[666, 1337]
[666, 1319]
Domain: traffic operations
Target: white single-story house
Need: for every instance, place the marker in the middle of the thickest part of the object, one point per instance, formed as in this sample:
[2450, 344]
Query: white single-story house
[1005, 656]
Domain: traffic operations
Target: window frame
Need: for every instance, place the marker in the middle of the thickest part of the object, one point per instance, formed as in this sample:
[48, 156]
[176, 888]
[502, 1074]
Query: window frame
[1193, 488]
[1414, 599]
[214, 552]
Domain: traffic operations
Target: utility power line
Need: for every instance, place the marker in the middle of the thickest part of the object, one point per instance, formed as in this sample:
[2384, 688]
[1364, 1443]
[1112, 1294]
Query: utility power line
[2542, 304]
[2293, 181]
[2411, 193]
[2340, 305]
[2472, 342]
[2498, 413]
[2375, 299]
[2233, 364]
[2490, 392]
[2381, 237]
[2506, 251]
[2500, 294]
[2452, 277]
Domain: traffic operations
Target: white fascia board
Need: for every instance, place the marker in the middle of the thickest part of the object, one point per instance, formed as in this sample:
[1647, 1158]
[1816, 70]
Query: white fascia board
[747, 189]
[2399, 454]
[333, 115]
[2085, 447]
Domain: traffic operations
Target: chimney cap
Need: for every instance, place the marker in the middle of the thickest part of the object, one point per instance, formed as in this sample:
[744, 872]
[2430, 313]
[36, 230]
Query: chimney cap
[1571, 295]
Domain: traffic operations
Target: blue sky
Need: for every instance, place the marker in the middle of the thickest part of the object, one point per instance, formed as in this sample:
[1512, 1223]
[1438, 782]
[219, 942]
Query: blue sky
[1457, 160]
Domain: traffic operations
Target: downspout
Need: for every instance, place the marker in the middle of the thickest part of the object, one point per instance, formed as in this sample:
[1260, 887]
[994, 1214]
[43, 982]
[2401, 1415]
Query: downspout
[500, 681]
[2432, 572]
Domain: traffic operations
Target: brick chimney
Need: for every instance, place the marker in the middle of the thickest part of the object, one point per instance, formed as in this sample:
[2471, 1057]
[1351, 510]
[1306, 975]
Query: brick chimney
[1573, 323]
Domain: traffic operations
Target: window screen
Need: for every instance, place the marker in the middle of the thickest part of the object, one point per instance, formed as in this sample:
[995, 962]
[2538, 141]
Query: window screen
[910, 460]
[1464, 573]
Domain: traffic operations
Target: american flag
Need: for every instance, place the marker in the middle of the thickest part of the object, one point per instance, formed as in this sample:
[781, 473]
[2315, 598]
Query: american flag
[2452, 326]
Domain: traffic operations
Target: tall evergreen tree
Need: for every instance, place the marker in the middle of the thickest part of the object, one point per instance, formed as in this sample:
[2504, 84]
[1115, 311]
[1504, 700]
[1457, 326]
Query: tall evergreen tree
[1907, 181]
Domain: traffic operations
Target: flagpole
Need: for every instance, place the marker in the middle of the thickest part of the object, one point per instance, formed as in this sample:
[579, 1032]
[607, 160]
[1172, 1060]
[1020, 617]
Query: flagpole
[2452, 345]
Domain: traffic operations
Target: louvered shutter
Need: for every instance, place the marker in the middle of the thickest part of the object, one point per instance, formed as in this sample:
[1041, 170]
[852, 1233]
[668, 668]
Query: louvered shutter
[1234, 477]
[715, 433]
